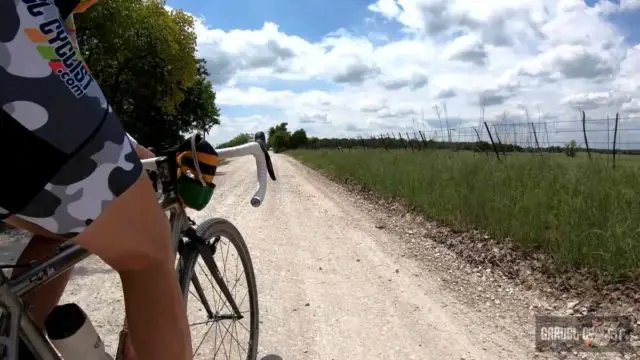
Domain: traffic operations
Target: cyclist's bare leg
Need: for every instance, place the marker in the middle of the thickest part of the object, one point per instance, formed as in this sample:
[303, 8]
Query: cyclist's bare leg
[43, 299]
[132, 235]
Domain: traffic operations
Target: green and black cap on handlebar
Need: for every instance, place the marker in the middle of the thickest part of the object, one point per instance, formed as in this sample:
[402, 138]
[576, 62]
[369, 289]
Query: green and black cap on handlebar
[196, 162]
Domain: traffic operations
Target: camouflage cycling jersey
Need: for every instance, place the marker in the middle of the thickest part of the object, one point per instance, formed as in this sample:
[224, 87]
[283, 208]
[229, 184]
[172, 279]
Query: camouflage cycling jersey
[69, 156]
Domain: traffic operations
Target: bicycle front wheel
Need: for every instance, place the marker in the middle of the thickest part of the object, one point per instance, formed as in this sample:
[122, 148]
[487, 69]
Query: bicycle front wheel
[224, 303]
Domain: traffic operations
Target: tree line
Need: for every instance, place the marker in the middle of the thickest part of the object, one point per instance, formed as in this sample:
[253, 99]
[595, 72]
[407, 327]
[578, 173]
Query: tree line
[144, 58]
[417, 143]
[279, 139]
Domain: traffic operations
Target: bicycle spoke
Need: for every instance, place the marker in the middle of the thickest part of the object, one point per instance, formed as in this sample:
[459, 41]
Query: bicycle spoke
[224, 349]
[234, 285]
[243, 326]
[215, 303]
[221, 341]
[200, 344]
[226, 282]
[235, 326]
[221, 297]
[237, 281]
[244, 297]
[200, 323]
[216, 339]
[191, 292]
[230, 333]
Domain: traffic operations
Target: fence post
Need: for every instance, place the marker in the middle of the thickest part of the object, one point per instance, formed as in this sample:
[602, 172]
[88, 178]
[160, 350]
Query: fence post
[424, 141]
[492, 142]
[384, 142]
[615, 136]
[409, 140]
[535, 136]
[417, 141]
[499, 142]
[402, 142]
[584, 131]
[394, 143]
[480, 141]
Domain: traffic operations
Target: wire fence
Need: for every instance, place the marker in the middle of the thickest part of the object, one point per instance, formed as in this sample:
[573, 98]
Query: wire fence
[613, 136]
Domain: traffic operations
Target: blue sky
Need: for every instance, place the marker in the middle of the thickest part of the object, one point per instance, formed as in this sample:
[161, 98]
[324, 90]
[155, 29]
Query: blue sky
[311, 19]
[628, 22]
[370, 65]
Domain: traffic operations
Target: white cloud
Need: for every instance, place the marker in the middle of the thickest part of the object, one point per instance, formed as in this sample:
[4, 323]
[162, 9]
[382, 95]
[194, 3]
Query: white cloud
[596, 100]
[468, 48]
[608, 7]
[388, 8]
[314, 117]
[446, 94]
[557, 54]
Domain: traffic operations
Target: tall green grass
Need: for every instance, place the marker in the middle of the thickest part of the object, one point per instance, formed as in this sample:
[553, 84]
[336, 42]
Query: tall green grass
[583, 214]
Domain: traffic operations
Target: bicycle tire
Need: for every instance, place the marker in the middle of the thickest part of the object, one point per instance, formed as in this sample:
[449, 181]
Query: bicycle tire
[209, 230]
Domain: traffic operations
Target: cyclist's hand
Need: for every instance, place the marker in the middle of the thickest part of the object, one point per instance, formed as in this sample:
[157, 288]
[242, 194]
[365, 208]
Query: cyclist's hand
[143, 152]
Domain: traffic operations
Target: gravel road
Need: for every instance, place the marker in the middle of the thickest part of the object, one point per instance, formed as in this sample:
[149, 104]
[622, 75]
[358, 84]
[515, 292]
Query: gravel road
[332, 284]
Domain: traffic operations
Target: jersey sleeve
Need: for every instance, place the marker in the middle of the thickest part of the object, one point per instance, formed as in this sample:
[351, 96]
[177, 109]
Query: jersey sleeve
[134, 142]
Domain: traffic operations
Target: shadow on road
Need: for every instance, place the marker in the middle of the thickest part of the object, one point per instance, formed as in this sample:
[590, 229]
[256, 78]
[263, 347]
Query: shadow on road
[271, 357]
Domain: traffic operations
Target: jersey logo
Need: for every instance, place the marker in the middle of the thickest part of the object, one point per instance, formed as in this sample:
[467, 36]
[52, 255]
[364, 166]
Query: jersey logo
[54, 45]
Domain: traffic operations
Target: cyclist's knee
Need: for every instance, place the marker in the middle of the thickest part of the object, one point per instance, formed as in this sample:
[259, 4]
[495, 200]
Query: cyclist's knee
[133, 232]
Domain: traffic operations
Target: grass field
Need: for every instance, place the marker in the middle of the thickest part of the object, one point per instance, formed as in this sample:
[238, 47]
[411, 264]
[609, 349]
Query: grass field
[582, 213]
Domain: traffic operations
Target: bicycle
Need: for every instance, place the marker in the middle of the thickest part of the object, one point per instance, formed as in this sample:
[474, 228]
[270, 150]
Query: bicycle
[190, 243]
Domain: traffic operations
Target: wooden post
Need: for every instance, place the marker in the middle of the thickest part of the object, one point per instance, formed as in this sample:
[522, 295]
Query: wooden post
[584, 131]
[480, 140]
[535, 136]
[492, 142]
[615, 136]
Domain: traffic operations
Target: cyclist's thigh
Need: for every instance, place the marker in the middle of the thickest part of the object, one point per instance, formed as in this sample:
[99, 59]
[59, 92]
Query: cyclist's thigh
[72, 159]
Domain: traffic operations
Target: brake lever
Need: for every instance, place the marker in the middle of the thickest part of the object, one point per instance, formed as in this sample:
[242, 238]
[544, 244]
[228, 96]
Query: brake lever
[265, 150]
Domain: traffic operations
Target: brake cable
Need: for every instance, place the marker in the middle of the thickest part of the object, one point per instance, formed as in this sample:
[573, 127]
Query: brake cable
[196, 161]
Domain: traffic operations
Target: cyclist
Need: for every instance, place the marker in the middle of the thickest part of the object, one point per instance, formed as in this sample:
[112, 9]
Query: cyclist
[77, 175]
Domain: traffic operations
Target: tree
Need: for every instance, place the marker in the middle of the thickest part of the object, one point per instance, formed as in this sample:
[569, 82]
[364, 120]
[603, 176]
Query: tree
[279, 137]
[280, 141]
[238, 140]
[143, 57]
[299, 138]
[273, 129]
